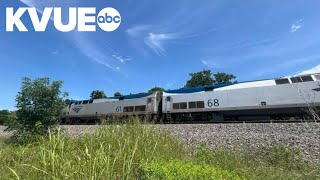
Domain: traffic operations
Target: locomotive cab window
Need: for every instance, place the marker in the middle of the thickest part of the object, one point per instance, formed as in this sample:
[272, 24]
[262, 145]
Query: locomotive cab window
[128, 109]
[296, 80]
[85, 102]
[140, 108]
[168, 98]
[306, 78]
[91, 101]
[282, 81]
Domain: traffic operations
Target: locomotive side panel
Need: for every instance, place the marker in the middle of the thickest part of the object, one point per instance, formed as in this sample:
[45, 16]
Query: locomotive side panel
[144, 105]
[293, 95]
[271, 99]
[193, 102]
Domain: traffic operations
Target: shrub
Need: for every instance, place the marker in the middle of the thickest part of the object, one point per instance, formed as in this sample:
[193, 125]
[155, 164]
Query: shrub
[39, 105]
[4, 114]
[183, 170]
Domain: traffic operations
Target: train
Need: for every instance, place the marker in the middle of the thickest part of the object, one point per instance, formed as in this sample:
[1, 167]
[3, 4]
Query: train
[259, 99]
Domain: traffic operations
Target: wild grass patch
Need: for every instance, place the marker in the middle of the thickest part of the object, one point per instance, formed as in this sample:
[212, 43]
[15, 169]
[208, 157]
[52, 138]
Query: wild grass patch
[135, 151]
[114, 152]
[279, 162]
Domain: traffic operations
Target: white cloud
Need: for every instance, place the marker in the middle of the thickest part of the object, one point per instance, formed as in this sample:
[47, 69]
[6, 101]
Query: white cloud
[211, 64]
[313, 70]
[156, 37]
[90, 50]
[55, 52]
[286, 64]
[168, 85]
[29, 2]
[204, 62]
[40, 5]
[156, 41]
[121, 58]
[137, 30]
[296, 26]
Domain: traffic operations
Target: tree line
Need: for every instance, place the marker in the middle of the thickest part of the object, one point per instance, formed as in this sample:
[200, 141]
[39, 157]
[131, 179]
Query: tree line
[201, 78]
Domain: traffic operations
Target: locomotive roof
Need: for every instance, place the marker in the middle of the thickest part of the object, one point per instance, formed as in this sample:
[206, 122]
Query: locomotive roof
[132, 96]
[212, 87]
[198, 89]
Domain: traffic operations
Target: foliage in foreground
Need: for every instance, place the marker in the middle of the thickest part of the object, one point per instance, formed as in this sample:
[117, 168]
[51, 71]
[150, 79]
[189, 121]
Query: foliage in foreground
[39, 104]
[4, 116]
[279, 162]
[134, 151]
[115, 152]
[7, 116]
[183, 170]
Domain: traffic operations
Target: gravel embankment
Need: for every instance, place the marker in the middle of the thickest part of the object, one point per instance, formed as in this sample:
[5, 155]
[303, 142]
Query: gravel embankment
[2, 132]
[305, 136]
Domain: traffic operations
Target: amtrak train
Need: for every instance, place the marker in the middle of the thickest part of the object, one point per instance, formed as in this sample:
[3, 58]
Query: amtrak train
[271, 98]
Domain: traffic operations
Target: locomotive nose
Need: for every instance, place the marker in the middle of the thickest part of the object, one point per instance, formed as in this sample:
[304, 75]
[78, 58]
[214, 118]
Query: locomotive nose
[64, 111]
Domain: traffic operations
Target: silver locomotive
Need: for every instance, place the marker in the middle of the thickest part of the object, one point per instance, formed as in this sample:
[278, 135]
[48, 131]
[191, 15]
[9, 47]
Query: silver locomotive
[272, 98]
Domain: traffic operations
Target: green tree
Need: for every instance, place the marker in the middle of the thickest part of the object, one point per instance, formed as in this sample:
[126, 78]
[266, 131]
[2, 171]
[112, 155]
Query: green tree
[221, 77]
[117, 94]
[4, 115]
[97, 94]
[69, 101]
[39, 104]
[201, 78]
[206, 77]
[156, 88]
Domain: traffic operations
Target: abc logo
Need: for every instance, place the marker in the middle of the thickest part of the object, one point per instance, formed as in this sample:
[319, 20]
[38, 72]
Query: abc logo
[109, 19]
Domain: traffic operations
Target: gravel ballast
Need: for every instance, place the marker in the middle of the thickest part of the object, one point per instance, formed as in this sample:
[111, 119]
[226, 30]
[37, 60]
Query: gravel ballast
[246, 136]
[243, 136]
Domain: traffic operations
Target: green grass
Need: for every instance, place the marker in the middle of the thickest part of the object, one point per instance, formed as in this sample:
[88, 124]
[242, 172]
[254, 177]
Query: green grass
[183, 170]
[114, 152]
[134, 151]
[2, 141]
[278, 162]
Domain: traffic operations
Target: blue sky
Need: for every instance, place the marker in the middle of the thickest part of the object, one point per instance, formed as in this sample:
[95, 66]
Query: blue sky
[160, 42]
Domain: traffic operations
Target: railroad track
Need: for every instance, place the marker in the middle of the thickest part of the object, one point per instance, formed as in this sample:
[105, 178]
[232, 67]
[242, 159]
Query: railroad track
[218, 122]
[244, 121]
